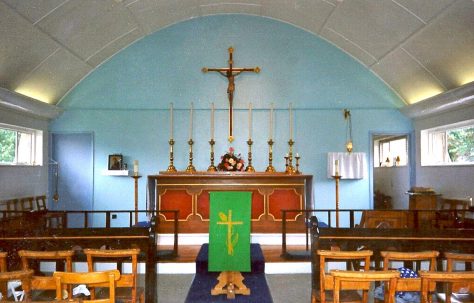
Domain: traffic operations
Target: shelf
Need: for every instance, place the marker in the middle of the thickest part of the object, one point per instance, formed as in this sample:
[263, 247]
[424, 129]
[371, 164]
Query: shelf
[119, 173]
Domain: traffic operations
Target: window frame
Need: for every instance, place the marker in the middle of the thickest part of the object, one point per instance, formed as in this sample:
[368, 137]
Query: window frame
[439, 133]
[35, 149]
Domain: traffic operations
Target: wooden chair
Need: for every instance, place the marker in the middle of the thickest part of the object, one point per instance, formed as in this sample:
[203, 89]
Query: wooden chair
[26, 204]
[449, 217]
[12, 205]
[452, 291]
[41, 283]
[410, 284]
[3, 261]
[52, 219]
[64, 279]
[430, 278]
[327, 281]
[360, 280]
[127, 290]
[24, 276]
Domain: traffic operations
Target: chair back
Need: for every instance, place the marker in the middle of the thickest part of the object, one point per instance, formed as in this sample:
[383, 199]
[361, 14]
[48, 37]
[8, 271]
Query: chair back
[430, 278]
[3, 261]
[24, 276]
[41, 202]
[42, 282]
[452, 259]
[360, 280]
[118, 256]
[109, 278]
[327, 280]
[409, 284]
[26, 204]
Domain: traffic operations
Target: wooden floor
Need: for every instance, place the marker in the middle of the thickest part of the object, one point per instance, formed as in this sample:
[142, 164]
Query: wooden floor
[188, 253]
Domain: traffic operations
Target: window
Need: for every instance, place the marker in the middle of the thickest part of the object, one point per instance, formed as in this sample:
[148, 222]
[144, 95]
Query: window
[20, 146]
[390, 151]
[448, 145]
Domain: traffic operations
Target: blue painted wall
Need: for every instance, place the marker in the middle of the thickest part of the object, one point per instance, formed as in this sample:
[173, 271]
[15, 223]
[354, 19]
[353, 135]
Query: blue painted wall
[125, 102]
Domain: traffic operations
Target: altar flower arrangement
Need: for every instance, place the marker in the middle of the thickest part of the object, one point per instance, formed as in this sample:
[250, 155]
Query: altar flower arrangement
[231, 162]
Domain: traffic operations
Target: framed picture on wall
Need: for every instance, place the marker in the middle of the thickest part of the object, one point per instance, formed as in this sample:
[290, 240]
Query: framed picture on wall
[115, 162]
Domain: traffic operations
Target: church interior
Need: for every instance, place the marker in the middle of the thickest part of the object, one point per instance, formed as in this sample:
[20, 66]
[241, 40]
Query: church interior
[350, 122]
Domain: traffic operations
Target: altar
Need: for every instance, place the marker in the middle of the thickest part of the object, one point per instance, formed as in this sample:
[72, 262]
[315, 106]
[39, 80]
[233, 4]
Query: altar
[189, 194]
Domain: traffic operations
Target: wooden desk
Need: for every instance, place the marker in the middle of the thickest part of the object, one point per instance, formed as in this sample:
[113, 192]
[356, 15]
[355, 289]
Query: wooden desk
[78, 238]
[189, 193]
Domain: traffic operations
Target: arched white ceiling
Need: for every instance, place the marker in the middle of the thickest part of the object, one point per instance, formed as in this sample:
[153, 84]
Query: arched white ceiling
[420, 48]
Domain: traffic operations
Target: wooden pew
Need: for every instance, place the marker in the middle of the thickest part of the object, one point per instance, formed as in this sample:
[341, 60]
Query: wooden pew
[12, 240]
[376, 239]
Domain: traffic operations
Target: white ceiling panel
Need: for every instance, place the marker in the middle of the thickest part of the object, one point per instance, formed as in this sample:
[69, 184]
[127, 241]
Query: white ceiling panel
[35, 10]
[310, 15]
[377, 26]
[424, 9]
[446, 46]
[22, 47]
[115, 46]
[85, 27]
[54, 77]
[418, 47]
[230, 8]
[153, 15]
[411, 79]
[348, 46]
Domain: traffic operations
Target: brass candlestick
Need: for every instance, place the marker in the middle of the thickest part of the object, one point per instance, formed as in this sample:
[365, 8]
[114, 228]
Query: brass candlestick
[250, 167]
[286, 163]
[290, 169]
[171, 168]
[190, 168]
[337, 178]
[297, 157]
[270, 168]
[212, 167]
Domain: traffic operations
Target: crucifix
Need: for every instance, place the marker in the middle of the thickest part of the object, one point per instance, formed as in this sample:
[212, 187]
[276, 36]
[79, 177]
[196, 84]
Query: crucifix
[230, 73]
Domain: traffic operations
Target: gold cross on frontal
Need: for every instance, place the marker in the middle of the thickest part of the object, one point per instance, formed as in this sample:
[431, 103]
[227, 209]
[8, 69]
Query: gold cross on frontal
[231, 239]
[230, 73]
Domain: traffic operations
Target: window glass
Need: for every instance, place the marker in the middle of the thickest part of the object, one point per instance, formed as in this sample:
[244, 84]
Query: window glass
[20, 146]
[391, 151]
[448, 145]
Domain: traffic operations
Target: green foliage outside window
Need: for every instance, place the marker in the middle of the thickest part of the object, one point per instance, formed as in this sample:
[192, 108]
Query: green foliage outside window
[461, 145]
[7, 145]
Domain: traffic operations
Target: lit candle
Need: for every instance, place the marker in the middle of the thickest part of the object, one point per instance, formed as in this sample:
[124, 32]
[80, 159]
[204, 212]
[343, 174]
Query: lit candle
[135, 167]
[291, 122]
[250, 120]
[191, 122]
[171, 120]
[212, 121]
[271, 121]
[336, 165]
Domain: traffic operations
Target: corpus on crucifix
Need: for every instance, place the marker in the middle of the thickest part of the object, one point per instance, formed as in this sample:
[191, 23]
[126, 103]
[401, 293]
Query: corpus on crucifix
[230, 73]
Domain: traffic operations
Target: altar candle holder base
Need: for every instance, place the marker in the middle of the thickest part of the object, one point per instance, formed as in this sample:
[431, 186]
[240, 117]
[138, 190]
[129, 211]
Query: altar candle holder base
[190, 168]
[250, 168]
[212, 167]
[270, 168]
[171, 168]
[337, 178]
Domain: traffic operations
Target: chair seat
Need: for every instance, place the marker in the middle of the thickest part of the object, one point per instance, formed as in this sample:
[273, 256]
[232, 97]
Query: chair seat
[346, 296]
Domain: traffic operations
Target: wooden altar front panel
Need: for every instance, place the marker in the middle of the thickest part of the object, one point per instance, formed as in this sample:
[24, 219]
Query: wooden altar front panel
[271, 192]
